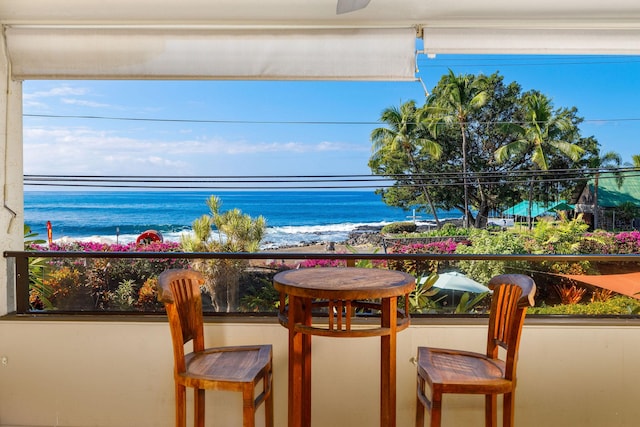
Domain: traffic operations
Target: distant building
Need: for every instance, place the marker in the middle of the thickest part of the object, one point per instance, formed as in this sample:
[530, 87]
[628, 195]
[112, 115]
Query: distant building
[609, 206]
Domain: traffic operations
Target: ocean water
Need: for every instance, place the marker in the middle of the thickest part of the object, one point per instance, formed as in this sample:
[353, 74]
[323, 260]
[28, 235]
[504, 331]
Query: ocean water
[293, 217]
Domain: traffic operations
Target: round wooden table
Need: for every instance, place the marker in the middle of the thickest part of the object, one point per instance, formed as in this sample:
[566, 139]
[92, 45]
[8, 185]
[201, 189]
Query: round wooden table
[337, 294]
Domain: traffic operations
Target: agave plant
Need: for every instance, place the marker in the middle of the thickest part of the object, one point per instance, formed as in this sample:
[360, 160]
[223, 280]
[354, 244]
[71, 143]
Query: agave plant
[420, 299]
[466, 304]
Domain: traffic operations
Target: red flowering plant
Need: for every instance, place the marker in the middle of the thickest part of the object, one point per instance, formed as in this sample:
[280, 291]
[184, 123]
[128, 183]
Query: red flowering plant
[420, 267]
[313, 263]
[111, 281]
[628, 242]
[363, 263]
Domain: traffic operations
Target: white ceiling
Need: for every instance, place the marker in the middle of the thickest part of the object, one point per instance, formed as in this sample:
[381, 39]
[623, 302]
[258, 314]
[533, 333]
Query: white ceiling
[295, 39]
[304, 13]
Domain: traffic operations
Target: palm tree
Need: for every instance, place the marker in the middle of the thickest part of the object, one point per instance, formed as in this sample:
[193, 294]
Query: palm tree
[405, 134]
[609, 161]
[462, 95]
[540, 134]
[636, 160]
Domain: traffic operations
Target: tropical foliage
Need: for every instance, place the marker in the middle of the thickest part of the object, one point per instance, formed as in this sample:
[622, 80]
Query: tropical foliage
[478, 120]
[234, 232]
[461, 96]
[397, 147]
[75, 284]
[90, 284]
[543, 132]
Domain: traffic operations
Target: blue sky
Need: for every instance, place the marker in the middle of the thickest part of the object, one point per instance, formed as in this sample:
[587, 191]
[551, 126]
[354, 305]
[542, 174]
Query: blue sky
[331, 125]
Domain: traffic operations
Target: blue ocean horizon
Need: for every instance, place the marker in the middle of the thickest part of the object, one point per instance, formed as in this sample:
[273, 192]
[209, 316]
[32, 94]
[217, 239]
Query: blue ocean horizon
[293, 217]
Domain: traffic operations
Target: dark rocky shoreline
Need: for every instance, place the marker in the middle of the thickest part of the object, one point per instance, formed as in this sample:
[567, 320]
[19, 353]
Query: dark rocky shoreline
[372, 235]
[369, 235]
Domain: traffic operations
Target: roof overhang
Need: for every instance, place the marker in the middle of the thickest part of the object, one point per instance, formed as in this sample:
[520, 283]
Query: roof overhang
[283, 39]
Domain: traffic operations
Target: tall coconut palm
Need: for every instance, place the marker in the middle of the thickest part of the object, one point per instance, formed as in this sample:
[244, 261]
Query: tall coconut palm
[540, 134]
[609, 161]
[462, 95]
[405, 134]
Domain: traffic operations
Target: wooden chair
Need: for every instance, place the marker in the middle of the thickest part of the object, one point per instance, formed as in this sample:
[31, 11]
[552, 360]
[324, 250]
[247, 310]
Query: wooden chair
[463, 372]
[223, 368]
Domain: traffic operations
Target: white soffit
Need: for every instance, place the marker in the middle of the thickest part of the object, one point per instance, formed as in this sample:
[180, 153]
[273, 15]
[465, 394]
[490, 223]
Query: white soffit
[621, 41]
[42, 52]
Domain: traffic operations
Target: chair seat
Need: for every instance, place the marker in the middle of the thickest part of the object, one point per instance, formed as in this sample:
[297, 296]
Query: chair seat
[242, 364]
[456, 371]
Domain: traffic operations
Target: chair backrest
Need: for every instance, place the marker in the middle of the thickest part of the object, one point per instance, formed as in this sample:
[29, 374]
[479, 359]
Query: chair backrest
[512, 295]
[179, 290]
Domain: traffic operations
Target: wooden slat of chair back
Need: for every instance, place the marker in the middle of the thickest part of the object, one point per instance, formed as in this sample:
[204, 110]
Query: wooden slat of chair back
[180, 292]
[504, 306]
[513, 293]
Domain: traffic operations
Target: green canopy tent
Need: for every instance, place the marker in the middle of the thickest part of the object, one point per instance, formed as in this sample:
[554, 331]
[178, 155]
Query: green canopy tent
[537, 208]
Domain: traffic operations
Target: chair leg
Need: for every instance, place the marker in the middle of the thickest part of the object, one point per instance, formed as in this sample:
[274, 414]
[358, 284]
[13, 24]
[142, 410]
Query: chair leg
[508, 411]
[248, 406]
[490, 410]
[198, 413]
[436, 409]
[268, 404]
[181, 403]
[419, 405]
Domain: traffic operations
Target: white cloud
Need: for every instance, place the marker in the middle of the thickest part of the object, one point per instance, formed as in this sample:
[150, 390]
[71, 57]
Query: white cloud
[247, 148]
[83, 103]
[82, 150]
[65, 94]
[67, 90]
[59, 91]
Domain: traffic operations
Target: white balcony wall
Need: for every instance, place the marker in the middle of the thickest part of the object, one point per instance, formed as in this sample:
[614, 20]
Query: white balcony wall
[119, 374]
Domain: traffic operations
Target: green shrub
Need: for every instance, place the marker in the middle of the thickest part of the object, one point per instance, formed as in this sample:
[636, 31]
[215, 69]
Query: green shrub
[489, 243]
[618, 305]
[450, 230]
[399, 228]
[260, 296]
[148, 296]
[123, 296]
[68, 290]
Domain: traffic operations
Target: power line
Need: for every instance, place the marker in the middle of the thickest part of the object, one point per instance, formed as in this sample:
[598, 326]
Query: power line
[291, 122]
[209, 121]
[289, 182]
[333, 177]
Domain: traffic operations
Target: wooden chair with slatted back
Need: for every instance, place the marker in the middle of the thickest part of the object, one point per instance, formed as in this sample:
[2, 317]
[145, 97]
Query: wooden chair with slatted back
[462, 372]
[224, 368]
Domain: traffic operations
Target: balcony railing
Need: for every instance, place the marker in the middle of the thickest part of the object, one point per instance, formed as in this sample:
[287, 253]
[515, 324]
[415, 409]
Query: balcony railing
[19, 262]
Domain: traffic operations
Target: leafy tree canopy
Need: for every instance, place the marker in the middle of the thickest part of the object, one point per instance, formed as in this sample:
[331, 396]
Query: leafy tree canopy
[494, 181]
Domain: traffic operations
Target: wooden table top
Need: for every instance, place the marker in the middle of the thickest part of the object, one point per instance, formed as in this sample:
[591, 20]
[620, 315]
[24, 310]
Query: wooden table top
[347, 283]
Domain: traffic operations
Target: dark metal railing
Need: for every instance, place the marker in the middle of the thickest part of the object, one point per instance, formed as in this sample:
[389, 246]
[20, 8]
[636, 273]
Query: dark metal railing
[21, 260]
